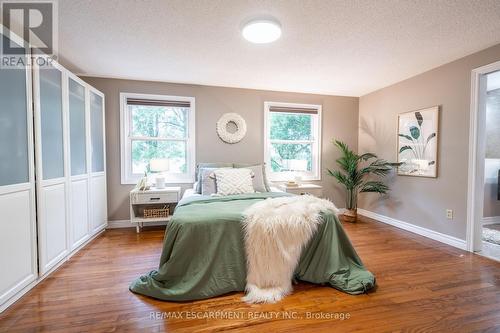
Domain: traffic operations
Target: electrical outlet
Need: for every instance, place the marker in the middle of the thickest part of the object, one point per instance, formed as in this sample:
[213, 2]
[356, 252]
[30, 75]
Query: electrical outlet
[449, 214]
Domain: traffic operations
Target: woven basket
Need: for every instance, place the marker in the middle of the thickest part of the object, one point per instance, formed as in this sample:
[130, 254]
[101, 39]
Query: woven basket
[151, 213]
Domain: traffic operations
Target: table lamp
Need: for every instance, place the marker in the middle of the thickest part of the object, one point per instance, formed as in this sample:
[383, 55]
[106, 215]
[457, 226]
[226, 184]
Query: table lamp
[158, 166]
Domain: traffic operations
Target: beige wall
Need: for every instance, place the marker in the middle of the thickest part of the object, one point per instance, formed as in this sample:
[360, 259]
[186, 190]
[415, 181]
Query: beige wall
[423, 201]
[340, 120]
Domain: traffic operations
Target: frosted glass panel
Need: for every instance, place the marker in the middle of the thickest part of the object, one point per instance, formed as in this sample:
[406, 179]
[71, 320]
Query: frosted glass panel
[51, 123]
[97, 132]
[13, 127]
[77, 128]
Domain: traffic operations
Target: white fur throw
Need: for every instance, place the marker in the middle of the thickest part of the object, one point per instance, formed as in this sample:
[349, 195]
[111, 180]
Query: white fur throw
[276, 230]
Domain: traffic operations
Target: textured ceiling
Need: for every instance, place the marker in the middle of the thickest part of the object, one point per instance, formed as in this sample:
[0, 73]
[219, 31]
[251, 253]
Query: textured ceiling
[330, 47]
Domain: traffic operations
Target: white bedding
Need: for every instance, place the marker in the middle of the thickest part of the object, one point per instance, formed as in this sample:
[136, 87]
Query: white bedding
[191, 192]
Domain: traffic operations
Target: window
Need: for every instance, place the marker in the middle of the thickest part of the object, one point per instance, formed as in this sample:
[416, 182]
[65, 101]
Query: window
[292, 141]
[157, 127]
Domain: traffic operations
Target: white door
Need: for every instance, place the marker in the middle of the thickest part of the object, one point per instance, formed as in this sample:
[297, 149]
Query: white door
[52, 168]
[79, 158]
[98, 162]
[98, 190]
[18, 264]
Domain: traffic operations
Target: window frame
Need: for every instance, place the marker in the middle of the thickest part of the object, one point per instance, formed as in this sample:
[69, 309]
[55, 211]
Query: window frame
[127, 177]
[315, 174]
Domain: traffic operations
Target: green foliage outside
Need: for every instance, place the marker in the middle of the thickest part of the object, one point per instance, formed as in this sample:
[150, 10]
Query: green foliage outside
[159, 122]
[290, 127]
[171, 123]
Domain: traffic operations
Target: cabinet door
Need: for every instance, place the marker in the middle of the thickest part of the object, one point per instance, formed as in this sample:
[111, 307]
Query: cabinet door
[79, 207]
[99, 210]
[52, 208]
[17, 184]
[79, 180]
[52, 234]
[77, 128]
[97, 131]
[98, 176]
[51, 123]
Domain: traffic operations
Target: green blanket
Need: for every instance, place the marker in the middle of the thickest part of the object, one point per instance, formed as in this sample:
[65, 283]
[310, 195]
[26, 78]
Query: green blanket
[204, 254]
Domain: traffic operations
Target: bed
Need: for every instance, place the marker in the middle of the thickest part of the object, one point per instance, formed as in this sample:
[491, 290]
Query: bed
[203, 252]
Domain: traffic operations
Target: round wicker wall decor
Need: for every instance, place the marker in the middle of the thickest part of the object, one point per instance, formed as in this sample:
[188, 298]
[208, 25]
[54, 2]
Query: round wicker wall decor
[222, 127]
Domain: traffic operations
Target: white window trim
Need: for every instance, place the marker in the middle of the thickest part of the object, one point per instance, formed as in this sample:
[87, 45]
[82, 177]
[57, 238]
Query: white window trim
[125, 150]
[315, 174]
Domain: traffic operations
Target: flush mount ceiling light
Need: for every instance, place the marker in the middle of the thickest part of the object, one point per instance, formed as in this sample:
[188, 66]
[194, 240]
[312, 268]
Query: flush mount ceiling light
[261, 31]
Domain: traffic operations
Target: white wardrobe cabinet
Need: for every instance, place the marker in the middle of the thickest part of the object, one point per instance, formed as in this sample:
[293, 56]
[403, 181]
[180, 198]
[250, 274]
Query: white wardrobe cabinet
[18, 251]
[98, 175]
[79, 228]
[52, 144]
[51, 167]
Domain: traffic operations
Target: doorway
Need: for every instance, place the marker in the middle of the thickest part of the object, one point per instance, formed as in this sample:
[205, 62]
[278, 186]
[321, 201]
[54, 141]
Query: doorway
[483, 220]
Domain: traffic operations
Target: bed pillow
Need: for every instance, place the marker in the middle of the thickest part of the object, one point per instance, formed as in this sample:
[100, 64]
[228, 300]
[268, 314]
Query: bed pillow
[212, 166]
[206, 184]
[234, 181]
[200, 166]
[258, 177]
[260, 182]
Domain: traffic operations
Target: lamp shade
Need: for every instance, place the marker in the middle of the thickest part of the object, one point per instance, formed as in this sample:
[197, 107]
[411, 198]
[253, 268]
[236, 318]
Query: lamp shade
[159, 165]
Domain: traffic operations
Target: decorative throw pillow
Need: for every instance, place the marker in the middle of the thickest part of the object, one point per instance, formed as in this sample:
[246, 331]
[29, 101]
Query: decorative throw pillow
[199, 176]
[211, 166]
[260, 182]
[258, 178]
[234, 181]
[207, 184]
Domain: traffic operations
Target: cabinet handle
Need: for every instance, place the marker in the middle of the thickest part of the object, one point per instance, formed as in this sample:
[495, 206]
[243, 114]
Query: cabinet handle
[154, 199]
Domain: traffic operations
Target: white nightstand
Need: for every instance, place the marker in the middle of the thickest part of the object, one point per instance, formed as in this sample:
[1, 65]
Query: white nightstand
[152, 197]
[302, 189]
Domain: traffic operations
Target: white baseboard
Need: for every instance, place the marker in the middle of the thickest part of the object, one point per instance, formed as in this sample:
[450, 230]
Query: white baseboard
[491, 220]
[127, 224]
[443, 238]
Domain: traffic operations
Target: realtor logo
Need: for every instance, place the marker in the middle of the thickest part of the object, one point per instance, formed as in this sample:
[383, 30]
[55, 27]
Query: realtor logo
[32, 21]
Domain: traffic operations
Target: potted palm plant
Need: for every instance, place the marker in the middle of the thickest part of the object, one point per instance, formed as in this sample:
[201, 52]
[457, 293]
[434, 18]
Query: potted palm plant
[353, 174]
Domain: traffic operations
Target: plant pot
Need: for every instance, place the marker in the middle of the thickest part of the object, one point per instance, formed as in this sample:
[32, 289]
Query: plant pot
[350, 215]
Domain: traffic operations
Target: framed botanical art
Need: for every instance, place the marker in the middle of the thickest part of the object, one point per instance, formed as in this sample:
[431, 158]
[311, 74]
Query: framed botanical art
[418, 142]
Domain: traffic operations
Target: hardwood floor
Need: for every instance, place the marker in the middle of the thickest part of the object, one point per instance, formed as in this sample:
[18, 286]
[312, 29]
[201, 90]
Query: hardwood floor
[423, 286]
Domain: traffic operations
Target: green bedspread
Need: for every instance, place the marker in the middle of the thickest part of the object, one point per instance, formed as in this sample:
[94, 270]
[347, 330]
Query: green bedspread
[204, 254]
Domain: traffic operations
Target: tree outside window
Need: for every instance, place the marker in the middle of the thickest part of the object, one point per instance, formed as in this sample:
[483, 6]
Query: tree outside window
[292, 141]
[157, 127]
[158, 132]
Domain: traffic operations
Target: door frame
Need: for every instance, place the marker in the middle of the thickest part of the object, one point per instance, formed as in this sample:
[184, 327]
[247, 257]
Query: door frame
[475, 186]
